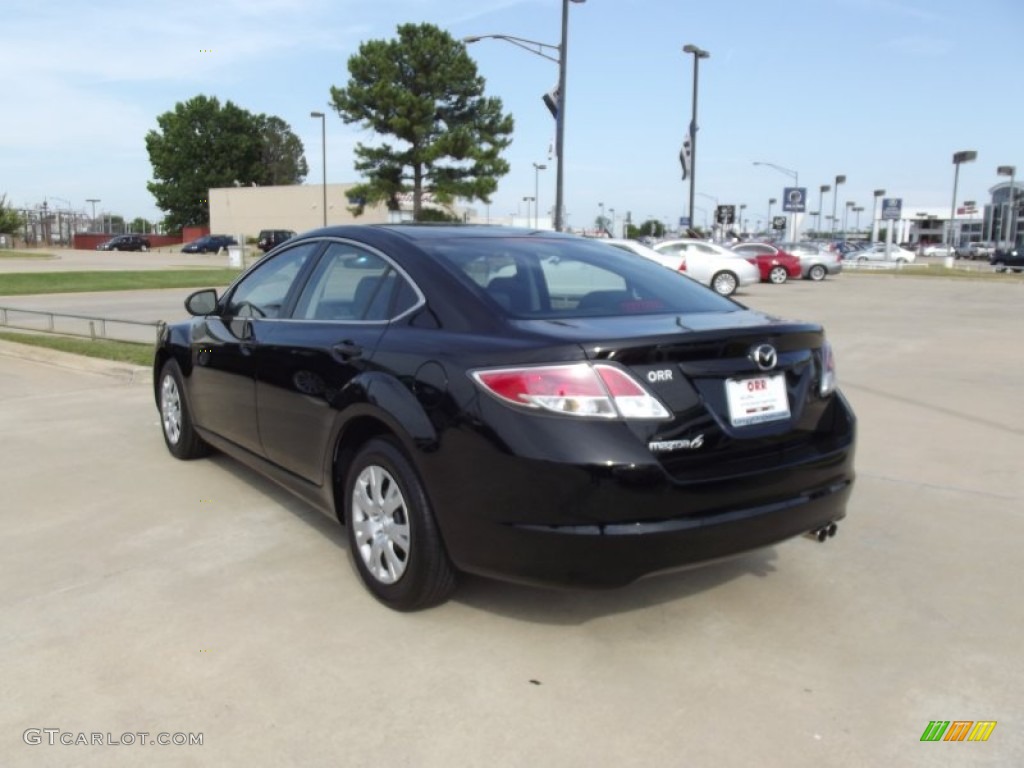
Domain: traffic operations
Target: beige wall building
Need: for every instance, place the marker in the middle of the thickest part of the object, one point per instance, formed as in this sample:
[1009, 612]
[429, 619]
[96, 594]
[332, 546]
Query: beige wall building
[246, 210]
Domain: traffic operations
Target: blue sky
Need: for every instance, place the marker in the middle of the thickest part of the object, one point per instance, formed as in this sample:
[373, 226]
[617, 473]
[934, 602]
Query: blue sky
[883, 91]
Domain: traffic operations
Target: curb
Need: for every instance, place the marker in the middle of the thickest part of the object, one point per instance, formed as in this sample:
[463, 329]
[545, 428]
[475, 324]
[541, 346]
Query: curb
[125, 372]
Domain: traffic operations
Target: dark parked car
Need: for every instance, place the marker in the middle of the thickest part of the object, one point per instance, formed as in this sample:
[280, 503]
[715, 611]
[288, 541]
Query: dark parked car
[124, 243]
[209, 244]
[271, 238]
[526, 405]
[1006, 259]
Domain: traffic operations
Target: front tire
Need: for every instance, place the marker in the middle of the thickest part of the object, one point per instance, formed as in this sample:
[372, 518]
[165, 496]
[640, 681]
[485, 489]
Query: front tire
[817, 273]
[179, 434]
[778, 275]
[724, 283]
[394, 540]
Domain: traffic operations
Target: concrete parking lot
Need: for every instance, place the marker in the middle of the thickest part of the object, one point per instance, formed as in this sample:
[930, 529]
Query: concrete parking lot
[144, 594]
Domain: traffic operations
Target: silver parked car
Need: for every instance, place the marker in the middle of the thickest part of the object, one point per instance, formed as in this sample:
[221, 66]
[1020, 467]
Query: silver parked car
[816, 261]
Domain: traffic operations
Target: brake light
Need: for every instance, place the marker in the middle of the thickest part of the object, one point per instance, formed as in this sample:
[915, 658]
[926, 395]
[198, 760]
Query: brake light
[579, 389]
[828, 371]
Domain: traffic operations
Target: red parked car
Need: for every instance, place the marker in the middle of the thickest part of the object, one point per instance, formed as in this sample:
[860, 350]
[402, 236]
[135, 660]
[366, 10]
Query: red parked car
[776, 265]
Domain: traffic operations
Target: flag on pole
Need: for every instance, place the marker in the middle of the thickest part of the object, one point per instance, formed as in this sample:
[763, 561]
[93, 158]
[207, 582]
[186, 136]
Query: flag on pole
[686, 156]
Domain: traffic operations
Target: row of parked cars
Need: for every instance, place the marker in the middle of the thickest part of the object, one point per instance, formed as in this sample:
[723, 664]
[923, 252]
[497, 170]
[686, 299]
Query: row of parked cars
[726, 269]
[268, 239]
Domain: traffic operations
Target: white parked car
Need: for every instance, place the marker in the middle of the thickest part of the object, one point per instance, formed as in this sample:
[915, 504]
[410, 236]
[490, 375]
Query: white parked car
[721, 269]
[938, 249]
[876, 252]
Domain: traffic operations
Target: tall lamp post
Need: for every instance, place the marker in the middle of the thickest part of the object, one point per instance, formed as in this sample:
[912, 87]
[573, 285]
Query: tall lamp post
[1011, 219]
[537, 168]
[323, 153]
[698, 54]
[846, 217]
[858, 209]
[879, 193]
[821, 199]
[528, 200]
[795, 176]
[561, 51]
[967, 156]
[841, 179]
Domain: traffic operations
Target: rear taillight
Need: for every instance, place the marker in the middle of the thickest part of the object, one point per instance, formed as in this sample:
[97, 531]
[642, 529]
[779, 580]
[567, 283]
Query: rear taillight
[827, 385]
[579, 389]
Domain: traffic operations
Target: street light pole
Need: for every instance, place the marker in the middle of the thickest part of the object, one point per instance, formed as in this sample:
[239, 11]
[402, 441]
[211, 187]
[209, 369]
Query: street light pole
[561, 49]
[537, 168]
[821, 200]
[528, 200]
[841, 179]
[967, 156]
[323, 153]
[1011, 219]
[698, 54]
[796, 183]
[879, 193]
[846, 218]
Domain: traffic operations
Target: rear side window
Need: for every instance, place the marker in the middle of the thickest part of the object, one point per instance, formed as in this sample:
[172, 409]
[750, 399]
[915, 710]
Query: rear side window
[553, 278]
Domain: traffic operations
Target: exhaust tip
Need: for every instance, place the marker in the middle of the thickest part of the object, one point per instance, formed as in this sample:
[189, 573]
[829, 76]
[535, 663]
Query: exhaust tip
[821, 535]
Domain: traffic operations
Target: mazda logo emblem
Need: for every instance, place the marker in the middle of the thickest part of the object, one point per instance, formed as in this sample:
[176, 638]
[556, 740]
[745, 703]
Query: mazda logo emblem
[764, 356]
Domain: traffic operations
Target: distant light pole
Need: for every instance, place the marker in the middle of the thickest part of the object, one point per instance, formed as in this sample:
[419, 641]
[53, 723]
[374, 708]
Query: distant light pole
[323, 153]
[528, 200]
[858, 209]
[1011, 239]
[795, 176]
[841, 179]
[846, 217]
[879, 193]
[559, 106]
[611, 212]
[537, 168]
[92, 222]
[967, 156]
[698, 54]
[821, 198]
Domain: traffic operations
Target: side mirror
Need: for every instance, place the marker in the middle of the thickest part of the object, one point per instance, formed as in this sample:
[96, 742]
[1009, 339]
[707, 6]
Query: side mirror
[202, 303]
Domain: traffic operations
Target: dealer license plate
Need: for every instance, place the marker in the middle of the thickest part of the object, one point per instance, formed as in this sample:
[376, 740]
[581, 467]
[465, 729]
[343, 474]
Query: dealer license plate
[757, 399]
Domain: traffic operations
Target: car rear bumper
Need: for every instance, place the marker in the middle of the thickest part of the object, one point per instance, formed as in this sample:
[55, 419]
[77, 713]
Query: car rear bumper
[544, 523]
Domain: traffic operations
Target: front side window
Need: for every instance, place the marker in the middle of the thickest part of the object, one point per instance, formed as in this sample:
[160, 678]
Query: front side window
[263, 292]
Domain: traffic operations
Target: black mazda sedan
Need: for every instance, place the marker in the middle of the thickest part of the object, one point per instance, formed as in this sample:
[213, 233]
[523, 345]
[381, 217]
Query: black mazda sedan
[527, 405]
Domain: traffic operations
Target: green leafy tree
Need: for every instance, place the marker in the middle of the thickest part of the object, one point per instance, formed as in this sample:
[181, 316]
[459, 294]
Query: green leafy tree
[423, 90]
[10, 219]
[140, 225]
[284, 161]
[201, 144]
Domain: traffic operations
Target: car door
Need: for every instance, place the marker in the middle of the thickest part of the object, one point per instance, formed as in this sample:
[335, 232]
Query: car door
[308, 363]
[222, 386]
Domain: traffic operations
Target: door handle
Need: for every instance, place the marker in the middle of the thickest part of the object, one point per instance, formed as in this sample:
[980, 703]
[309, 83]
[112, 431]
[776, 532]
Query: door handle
[347, 350]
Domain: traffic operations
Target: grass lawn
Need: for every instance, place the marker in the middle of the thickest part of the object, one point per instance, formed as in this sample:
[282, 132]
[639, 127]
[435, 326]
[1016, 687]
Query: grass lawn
[29, 283]
[9, 254]
[121, 351]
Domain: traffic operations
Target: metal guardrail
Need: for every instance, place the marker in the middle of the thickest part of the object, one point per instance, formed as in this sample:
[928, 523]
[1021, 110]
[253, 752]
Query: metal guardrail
[86, 326]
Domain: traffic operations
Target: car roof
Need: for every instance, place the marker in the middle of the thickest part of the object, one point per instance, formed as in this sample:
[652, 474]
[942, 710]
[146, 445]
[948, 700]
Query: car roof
[441, 231]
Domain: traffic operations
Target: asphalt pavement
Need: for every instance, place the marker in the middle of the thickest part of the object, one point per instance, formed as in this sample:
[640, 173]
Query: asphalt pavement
[140, 594]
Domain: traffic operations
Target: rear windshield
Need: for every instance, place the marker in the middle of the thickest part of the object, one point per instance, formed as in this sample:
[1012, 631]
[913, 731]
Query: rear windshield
[552, 278]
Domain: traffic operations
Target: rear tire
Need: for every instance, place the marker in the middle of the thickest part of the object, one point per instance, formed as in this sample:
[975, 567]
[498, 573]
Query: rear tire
[817, 273]
[724, 283]
[778, 275]
[179, 434]
[393, 537]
